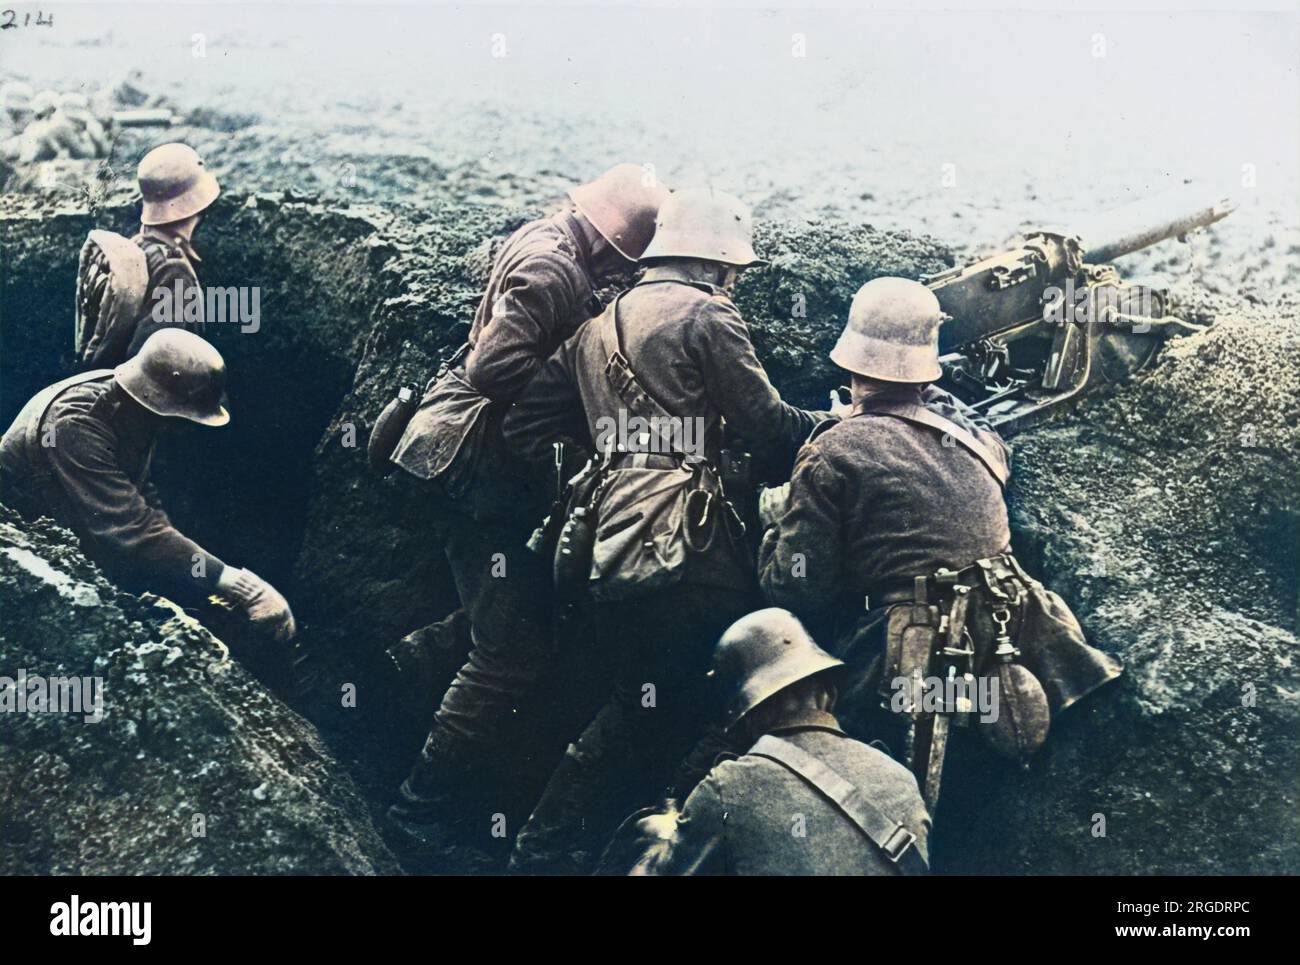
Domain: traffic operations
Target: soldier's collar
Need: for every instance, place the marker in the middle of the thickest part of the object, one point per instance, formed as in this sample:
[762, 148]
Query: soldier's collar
[176, 241]
[808, 720]
[704, 286]
[909, 391]
[127, 414]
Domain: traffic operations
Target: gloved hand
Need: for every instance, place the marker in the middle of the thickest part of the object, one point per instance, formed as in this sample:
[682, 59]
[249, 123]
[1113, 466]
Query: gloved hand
[772, 503]
[265, 607]
[654, 834]
[840, 410]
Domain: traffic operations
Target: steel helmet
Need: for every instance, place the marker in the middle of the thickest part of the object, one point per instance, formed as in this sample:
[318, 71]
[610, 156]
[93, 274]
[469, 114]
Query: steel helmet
[761, 654]
[893, 332]
[621, 204]
[174, 184]
[707, 224]
[177, 374]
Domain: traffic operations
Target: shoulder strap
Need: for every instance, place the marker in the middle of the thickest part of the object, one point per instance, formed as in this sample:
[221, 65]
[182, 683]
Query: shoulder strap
[919, 414]
[892, 837]
[41, 402]
[624, 381]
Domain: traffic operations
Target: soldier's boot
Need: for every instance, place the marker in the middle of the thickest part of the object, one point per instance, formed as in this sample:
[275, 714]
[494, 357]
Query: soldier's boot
[564, 833]
[439, 822]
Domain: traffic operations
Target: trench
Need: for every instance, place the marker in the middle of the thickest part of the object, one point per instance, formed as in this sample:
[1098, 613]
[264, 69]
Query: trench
[240, 490]
[246, 491]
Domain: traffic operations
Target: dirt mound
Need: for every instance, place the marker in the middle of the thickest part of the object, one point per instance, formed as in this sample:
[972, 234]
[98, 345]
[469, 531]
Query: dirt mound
[1167, 515]
[194, 768]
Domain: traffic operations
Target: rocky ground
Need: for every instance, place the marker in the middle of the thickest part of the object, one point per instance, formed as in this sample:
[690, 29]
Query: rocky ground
[194, 769]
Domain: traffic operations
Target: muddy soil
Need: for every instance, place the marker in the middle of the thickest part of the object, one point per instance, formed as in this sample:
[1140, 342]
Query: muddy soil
[194, 768]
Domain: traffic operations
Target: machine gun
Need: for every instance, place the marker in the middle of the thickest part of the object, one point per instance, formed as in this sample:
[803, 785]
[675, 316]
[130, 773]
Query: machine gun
[1041, 323]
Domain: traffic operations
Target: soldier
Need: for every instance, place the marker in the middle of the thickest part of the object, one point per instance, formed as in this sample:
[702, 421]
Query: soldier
[902, 503]
[666, 581]
[875, 500]
[127, 289]
[80, 453]
[541, 288]
[804, 799]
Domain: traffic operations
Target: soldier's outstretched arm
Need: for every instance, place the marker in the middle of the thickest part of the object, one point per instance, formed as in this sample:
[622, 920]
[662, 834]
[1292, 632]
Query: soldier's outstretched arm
[540, 296]
[738, 386]
[115, 515]
[800, 560]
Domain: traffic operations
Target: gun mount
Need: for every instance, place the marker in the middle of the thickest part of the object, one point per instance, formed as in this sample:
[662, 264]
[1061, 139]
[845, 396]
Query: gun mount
[1044, 322]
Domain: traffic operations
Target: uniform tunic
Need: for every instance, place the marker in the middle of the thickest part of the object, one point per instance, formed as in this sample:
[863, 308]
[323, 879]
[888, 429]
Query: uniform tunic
[874, 501]
[753, 816]
[690, 350]
[94, 479]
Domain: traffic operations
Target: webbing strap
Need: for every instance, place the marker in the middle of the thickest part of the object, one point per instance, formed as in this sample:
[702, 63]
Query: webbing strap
[40, 403]
[892, 837]
[625, 384]
[912, 412]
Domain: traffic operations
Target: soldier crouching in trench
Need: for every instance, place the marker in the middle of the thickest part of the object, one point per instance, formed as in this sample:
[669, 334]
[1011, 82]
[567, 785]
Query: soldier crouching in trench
[80, 452]
[894, 545]
[802, 798]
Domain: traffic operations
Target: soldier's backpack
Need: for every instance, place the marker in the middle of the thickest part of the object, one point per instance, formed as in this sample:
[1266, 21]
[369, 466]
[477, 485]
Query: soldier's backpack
[648, 519]
[112, 284]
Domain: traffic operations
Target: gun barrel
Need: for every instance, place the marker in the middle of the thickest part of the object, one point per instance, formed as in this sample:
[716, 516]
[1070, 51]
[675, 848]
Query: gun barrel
[1142, 224]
